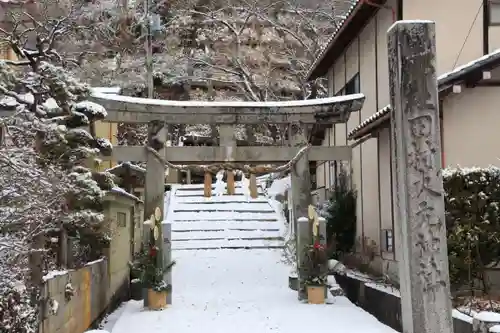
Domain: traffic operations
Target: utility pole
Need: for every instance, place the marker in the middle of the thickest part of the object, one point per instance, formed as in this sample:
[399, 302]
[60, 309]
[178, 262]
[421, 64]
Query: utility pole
[149, 47]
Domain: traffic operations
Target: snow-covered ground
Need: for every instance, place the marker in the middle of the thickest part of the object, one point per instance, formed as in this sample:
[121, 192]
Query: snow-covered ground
[220, 291]
[230, 274]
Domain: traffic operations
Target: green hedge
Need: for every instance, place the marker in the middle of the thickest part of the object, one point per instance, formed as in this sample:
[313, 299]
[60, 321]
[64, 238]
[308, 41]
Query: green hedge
[472, 201]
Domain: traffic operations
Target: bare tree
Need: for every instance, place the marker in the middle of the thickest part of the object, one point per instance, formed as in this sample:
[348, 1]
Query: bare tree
[227, 49]
[264, 52]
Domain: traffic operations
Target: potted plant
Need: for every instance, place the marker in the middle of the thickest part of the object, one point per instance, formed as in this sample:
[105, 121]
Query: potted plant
[151, 278]
[315, 272]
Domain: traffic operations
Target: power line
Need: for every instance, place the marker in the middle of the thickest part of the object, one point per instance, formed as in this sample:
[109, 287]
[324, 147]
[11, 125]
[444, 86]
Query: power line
[468, 34]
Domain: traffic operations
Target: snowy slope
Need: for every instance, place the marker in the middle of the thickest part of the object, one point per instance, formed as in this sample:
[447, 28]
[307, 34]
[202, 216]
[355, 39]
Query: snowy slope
[222, 221]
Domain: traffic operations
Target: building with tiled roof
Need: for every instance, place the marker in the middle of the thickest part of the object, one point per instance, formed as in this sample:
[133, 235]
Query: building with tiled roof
[356, 60]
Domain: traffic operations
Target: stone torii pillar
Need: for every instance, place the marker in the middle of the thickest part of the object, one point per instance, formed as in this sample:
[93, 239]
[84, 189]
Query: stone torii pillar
[418, 185]
[301, 198]
[155, 197]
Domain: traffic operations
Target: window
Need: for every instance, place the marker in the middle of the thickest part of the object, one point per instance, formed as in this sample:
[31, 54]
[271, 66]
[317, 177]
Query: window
[494, 12]
[353, 86]
[121, 219]
[387, 240]
[312, 172]
[335, 174]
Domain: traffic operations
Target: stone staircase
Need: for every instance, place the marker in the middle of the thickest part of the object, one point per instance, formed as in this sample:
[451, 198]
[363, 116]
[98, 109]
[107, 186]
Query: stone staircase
[222, 222]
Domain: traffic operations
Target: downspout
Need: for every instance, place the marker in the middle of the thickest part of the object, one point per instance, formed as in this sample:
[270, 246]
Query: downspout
[400, 9]
[394, 16]
[486, 27]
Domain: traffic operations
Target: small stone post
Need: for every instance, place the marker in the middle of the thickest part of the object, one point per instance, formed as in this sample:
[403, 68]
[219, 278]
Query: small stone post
[322, 241]
[167, 256]
[303, 239]
[418, 186]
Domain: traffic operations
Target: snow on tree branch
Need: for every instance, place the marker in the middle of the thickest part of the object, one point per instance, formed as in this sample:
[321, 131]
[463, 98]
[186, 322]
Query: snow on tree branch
[47, 185]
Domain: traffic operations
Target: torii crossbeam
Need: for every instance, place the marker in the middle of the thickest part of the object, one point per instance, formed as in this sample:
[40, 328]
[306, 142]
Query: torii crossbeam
[143, 110]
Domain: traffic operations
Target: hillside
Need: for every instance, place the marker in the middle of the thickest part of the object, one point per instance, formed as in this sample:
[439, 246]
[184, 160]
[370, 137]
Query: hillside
[220, 50]
[224, 50]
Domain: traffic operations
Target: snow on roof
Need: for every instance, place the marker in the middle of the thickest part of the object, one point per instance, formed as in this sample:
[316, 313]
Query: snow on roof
[459, 72]
[122, 192]
[488, 61]
[331, 41]
[106, 90]
[230, 104]
[380, 114]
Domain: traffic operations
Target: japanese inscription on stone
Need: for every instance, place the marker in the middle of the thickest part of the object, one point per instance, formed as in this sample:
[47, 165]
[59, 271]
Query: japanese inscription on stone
[425, 184]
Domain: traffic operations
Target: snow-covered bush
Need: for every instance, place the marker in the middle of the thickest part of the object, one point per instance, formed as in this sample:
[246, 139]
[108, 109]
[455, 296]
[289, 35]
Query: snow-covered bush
[472, 201]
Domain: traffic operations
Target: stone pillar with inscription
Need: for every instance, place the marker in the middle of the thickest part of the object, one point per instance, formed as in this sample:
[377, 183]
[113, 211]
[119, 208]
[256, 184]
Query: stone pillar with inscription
[418, 187]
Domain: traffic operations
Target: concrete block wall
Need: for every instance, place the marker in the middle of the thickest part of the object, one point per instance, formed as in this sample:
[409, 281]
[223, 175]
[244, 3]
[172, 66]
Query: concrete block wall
[100, 284]
[74, 299]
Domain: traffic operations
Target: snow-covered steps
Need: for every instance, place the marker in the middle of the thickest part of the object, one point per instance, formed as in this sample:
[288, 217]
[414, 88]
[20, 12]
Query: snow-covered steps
[224, 225]
[243, 206]
[199, 198]
[222, 221]
[234, 243]
[228, 233]
[227, 213]
[196, 192]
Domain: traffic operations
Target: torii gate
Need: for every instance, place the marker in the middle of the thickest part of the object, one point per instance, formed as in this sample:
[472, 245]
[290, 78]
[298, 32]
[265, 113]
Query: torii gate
[298, 115]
